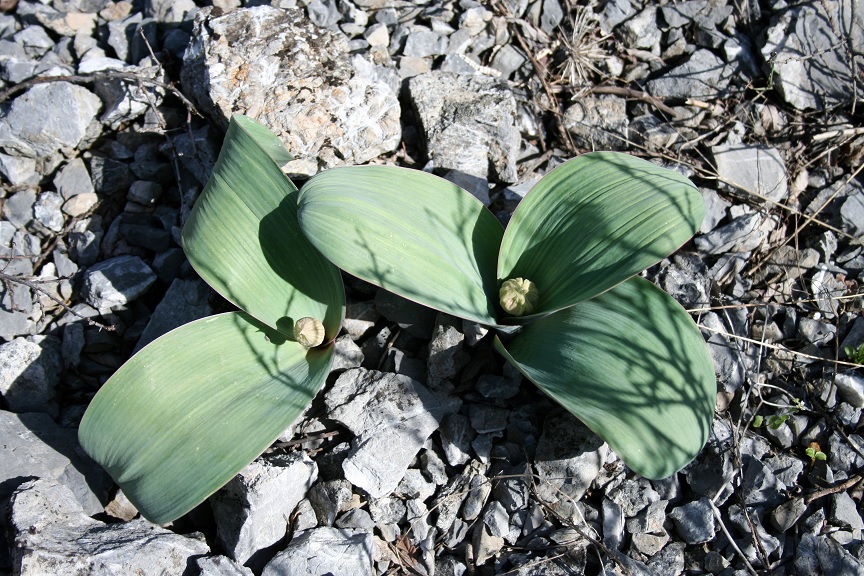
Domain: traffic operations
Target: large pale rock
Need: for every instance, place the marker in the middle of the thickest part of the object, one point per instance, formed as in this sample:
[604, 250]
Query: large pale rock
[54, 536]
[391, 416]
[253, 509]
[820, 555]
[276, 66]
[47, 118]
[811, 66]
[325, 551]
[469, 122]
[598, 123]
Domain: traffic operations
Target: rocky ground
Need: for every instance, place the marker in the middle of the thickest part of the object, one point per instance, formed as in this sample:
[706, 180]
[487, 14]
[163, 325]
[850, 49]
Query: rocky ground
[112, 115]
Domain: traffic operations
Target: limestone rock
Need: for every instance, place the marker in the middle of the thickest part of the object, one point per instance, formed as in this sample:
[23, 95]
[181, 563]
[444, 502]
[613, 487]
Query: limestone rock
[34, 446]
[469, 123]
[703, 76]
[253, 509]
[810, 66]
[325, 551]
[757, 169]
[391, 417]
[276, 66]
[54, 536]
[48, 118]
[598, 123]
[569, 458]
[29, 373]
[116, 281]
[185, 301]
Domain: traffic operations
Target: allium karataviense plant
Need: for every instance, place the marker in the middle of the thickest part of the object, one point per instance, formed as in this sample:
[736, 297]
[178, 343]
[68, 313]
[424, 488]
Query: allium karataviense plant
[559, 288]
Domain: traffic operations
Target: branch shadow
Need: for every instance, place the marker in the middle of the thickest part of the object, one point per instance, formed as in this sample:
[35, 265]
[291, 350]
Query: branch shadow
[455, 236]
[589, 359]
[591, 251]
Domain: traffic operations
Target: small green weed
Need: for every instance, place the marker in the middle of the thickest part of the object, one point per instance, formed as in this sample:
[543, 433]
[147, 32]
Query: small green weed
[855, 355]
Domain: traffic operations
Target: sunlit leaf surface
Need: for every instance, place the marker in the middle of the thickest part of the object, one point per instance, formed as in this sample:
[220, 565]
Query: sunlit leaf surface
[243, 238]
[192, 408]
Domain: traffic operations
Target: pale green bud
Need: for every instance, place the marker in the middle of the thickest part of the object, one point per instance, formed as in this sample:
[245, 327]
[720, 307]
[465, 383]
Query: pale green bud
[519, 296]
[309, 332]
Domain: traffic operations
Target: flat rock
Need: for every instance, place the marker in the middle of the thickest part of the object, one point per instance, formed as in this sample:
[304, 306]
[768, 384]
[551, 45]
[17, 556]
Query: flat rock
[347, 354]
[807, 59]
[333, 551]
[820, 555]
[54, 536]
[456, 437]
[185, 301]
[221, 566]
[569, 458]
[598, 123]
[850, 386]
[34, 446]
[116, 281]
[756, 169]
[787, 514]
[391, 417]
[266, 63]
[47, 118]
[744, 233]
[446, 357]
[252, 511]
[18, 208]
[29, 372]
[702, 76]
[469, 123]
[641, 30]
[852, 215]
[125, 101]
[19, 171]
[694, 521]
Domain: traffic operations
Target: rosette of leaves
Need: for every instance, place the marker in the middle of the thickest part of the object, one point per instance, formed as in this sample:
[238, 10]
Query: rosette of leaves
[192, 408]
[613, 349]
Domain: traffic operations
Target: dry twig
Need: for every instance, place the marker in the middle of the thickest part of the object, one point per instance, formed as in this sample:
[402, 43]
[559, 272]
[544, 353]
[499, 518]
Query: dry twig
[5, 278]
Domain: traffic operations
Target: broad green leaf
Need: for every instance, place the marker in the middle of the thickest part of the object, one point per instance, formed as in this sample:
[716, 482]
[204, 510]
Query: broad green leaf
[408, 232]
[244, 240]
[631, 365]
[192, 408]
[593, 222]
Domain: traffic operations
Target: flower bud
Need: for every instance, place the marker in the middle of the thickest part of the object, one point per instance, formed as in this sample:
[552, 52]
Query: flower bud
[309, 332]
[519, 296]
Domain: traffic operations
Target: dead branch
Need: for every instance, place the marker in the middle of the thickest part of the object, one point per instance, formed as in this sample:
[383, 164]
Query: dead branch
[35, 286]
[98, 77]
